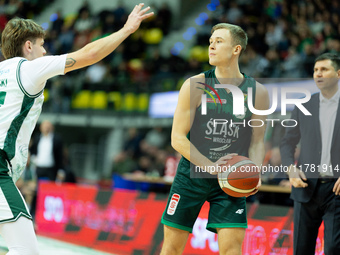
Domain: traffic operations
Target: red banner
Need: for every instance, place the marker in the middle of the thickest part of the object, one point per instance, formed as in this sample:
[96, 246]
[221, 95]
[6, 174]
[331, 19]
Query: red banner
[128, 221]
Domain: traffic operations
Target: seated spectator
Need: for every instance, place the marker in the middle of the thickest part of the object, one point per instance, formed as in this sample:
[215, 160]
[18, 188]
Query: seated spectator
[308, 59]
[144, 165]
[95, 75]
[234, 13]
[84, 22]
[120, 14]
[171, 164]
[164, 18]
[66, 38]
[155, 138]
[292, 67]
[159, 163]
[123, 163]
[126, 160]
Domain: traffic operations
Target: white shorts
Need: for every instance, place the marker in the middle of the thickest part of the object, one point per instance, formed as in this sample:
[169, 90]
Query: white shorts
[12, 203]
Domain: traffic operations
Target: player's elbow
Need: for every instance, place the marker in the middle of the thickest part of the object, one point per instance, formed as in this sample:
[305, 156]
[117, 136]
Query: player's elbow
[93, 56]
[176, 142]
[90, 54]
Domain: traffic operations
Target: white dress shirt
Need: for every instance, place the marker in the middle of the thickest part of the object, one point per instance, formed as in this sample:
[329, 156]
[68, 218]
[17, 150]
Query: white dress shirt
[45, 151]
[327, 114]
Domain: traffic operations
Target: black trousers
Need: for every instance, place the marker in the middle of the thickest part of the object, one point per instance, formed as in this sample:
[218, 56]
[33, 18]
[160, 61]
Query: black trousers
[324, 206]
[46, 172]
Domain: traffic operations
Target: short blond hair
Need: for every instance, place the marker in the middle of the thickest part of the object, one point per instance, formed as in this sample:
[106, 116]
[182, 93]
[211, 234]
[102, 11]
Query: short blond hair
[17, 31]
[238, 35]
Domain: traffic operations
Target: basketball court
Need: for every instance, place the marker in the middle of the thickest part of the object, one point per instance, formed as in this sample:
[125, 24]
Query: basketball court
[53, 247]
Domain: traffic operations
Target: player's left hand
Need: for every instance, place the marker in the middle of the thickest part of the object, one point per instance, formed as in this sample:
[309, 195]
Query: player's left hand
[336, 188]
[136, 17]
[256, 188]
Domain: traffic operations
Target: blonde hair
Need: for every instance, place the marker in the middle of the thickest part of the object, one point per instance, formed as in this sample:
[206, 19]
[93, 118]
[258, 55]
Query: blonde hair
[17, 31]
[238, 35]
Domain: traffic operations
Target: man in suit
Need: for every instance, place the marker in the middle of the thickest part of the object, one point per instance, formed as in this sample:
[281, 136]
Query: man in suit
[315, 178]
[48, 152]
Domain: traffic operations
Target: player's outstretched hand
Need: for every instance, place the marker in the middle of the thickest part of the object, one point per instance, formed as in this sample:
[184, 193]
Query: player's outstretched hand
[136, 17]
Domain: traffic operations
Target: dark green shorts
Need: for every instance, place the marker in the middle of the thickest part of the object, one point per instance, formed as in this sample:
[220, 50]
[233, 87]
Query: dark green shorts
[187, 196]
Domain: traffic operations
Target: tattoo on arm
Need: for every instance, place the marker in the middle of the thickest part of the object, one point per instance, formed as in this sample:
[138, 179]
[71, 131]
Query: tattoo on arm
[70, 62]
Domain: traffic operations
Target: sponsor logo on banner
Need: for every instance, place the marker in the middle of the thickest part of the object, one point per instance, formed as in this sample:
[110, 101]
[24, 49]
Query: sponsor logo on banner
[173, 204]
[120, 221]
[53, 209]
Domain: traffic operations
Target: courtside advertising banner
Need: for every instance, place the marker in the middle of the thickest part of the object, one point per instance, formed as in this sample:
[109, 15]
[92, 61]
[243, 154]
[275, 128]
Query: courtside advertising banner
[123, 221]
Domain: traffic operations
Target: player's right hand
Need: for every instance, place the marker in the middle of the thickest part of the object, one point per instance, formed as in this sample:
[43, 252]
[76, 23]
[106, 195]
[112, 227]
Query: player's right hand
[297, 177]
[136, 17]
[256, 188]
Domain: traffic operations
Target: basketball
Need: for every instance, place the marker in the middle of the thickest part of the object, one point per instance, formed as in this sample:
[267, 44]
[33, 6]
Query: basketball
[239, 176]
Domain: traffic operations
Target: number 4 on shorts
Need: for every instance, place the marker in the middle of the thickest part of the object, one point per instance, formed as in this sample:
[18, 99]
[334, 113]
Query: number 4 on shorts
[2, 97]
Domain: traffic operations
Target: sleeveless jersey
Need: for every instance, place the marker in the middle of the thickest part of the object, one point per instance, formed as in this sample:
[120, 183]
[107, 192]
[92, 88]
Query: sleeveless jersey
[19, 112]
[219, 132]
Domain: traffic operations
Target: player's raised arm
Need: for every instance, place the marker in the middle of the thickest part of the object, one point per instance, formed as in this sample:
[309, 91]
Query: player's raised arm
[99, 49]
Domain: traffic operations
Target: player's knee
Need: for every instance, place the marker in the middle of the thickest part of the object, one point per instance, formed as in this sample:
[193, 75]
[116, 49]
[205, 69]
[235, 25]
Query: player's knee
[231, 246]
[171, 249]
[170, 252]
[231, 250]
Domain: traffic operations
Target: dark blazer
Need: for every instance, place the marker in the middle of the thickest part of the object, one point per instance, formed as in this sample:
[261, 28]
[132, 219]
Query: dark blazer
[308, 133]
[57, 150]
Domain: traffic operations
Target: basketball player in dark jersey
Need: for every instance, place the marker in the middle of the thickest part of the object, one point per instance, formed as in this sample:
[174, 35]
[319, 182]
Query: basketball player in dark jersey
[207, 135]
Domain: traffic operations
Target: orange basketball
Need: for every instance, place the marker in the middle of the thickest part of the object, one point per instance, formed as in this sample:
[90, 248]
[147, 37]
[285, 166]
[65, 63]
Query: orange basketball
[239, 176]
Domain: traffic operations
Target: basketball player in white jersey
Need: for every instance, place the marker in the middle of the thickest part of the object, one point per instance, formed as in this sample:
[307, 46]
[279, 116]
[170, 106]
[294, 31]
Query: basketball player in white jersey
[23, 77]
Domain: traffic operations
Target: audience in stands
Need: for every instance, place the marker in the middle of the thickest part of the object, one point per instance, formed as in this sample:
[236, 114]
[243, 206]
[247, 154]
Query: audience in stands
[284, 38]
